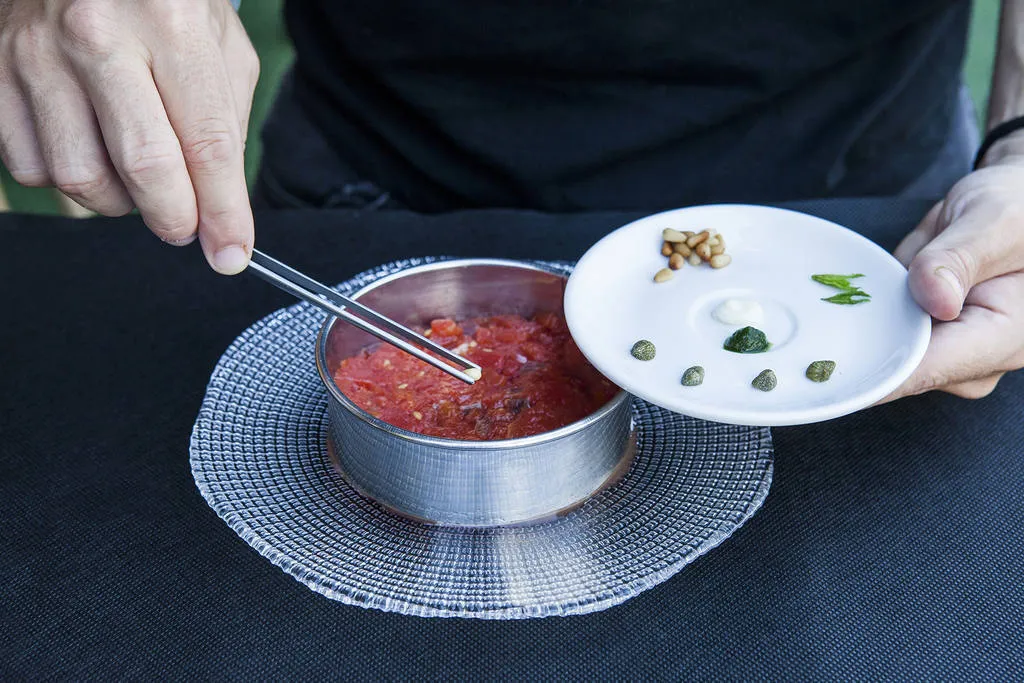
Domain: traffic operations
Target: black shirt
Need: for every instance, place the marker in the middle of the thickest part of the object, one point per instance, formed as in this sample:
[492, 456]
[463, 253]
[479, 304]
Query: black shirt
[627, 104]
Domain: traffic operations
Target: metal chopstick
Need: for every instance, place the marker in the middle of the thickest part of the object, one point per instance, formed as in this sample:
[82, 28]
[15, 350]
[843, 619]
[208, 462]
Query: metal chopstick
[330, 301]
[308, 283]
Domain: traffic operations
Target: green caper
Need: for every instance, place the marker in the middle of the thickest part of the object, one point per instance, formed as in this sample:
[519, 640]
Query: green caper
[643, 350]
[766, 381]
[820, 370]
[693, 376]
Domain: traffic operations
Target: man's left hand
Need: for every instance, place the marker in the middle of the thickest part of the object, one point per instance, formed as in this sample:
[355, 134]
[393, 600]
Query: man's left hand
[966, 262]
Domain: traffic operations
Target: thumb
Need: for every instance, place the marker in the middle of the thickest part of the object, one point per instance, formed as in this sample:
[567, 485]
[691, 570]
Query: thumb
[975, 245]
[941, 276]
[977, 236]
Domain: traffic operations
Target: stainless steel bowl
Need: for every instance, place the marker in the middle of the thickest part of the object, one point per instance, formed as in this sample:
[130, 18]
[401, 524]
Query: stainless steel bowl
[467, 483]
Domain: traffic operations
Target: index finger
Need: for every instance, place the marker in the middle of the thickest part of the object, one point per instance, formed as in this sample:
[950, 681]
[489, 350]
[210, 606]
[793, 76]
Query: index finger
[197, 93]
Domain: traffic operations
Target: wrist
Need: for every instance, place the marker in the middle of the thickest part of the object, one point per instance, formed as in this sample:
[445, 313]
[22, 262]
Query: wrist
[1008, 149]
[1003, 143]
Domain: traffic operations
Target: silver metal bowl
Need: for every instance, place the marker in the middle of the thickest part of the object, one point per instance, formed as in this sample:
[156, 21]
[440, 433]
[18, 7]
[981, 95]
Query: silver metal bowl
[467, 483]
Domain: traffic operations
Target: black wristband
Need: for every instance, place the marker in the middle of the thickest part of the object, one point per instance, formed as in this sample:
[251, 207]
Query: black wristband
[995, 135]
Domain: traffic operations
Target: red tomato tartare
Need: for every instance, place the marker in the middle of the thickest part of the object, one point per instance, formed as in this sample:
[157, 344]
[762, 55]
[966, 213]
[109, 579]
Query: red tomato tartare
[534, 380]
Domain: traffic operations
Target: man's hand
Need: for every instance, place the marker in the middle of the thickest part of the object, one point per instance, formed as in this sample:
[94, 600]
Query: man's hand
[966, 262]
[124, 104]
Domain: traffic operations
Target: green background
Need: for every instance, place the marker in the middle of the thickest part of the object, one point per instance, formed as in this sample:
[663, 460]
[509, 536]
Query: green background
[262, 19]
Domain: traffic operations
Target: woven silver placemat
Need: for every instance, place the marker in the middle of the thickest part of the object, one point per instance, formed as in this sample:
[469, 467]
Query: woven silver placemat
[259, 457]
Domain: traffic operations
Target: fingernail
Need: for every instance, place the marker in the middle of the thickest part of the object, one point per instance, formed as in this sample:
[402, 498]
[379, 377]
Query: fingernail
[184, 241]
[230, 260]
[952, 280]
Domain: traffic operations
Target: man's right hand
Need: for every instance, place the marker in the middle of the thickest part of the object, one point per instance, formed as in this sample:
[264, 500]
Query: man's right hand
[123, 104]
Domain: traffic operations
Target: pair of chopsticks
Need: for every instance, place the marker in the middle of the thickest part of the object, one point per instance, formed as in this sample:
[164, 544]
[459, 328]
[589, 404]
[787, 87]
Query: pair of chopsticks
[333, 303]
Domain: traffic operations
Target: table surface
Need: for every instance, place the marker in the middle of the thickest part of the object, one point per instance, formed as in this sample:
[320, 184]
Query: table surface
[890, 546]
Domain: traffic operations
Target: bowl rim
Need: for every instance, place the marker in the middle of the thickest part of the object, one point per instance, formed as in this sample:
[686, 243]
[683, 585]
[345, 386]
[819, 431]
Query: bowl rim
[499, 445]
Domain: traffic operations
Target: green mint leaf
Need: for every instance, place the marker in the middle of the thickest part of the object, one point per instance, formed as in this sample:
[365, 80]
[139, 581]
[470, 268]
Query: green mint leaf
[848, 294]
[837, 281]
[849, 297]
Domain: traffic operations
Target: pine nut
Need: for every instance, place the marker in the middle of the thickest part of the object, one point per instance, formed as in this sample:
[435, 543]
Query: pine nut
[663, 275]
[676, 261]
[697, 239]
[666, 248]
[718, 249]
[670, 235]
[689, 233]
[713, 241]
[703, 250]
[694, 260]
[681, 248]
[720, 260]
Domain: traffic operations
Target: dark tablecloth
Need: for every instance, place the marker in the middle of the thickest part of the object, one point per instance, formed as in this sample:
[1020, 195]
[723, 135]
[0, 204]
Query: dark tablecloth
[891, 543]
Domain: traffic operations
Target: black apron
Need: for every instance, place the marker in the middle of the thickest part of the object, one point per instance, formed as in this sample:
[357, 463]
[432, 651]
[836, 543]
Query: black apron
[614, 104]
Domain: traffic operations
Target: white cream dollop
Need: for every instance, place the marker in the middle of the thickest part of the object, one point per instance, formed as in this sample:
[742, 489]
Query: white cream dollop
[739, 312]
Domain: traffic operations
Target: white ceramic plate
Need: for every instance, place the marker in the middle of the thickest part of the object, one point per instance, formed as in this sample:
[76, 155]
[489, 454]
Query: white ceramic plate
[612, 301]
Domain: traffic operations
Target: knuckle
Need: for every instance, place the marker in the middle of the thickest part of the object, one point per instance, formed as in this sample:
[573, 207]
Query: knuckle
[965, 262]
[114, 210]
[81, 180]
[150, 164]
[172, 228]
[966, 192]
[29, 45]
[90, 27]
[210, 145]
[30, 177]
[23, 170]
[181, 19]
[225, 221]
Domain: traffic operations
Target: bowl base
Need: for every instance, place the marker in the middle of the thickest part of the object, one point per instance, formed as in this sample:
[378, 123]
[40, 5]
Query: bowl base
[616, 475]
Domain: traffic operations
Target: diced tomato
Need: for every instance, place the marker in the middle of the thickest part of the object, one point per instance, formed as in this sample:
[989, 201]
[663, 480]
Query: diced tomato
[445, 328]
[536, 350]
[551, 321]
[534, 380]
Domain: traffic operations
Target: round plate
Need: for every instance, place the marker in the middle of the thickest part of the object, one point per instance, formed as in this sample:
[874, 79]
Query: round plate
[612, 301]
[259, 456]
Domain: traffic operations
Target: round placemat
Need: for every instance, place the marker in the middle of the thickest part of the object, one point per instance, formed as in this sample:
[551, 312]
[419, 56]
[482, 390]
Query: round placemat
[259, 456]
